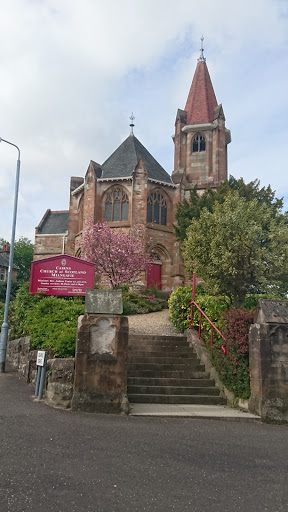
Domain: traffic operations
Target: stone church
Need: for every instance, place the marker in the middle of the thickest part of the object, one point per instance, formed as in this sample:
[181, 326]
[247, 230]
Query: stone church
[131, 187]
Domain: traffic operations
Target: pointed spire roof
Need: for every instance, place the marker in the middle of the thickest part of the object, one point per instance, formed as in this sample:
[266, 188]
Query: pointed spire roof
[201, 100]
[124, 160]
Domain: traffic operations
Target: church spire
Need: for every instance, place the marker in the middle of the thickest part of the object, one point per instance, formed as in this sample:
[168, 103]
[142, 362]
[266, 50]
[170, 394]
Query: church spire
[201, 138]
[201, 100]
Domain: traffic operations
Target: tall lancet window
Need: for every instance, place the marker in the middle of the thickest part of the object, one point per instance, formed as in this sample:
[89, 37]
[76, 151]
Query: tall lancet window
[157, 208]
[198, 143]
[116, 205]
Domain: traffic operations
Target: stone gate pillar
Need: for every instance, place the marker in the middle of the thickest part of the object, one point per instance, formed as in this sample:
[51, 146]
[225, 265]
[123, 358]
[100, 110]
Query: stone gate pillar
[268, 360]
[101, 354]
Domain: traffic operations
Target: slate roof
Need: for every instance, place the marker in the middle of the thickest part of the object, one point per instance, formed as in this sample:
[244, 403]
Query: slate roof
[201, 100]
[4, 262]
[54, 223]
[124, 160]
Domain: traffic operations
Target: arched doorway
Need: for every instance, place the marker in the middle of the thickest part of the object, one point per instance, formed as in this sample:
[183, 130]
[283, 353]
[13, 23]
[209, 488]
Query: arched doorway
[160, 270]
[154, 274]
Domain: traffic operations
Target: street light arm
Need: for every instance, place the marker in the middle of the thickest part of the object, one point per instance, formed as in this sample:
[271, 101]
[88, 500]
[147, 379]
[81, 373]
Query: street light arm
[11, 144]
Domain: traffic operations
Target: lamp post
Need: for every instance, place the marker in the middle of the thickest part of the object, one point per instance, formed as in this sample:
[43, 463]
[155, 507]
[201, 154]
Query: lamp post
[4, 327]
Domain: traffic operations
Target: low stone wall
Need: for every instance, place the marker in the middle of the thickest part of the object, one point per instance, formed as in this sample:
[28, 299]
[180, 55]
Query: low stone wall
[60, 381]
[58, 389]
[21, 357]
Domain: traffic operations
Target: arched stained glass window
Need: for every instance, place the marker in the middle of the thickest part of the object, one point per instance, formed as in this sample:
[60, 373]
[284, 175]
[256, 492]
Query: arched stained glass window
[157, 208]
[198, 143]
[116, 205]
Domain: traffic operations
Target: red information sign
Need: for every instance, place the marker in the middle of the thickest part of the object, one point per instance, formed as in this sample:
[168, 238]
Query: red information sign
[61, 275]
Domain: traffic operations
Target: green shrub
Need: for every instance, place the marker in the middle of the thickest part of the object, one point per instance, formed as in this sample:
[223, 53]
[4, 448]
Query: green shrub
[180, 310]
[163, 294]
[50, 322]
[19, 309]
[134, 303]
[14, 287]
[233, 367]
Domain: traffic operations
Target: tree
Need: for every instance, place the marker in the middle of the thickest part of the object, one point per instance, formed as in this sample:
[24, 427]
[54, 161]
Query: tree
[240, 247]
[119, 256]
[23, 256]
[191, 209]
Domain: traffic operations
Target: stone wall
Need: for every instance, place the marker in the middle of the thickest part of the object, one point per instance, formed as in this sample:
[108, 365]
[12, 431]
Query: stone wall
[268, 360]
[58, 389]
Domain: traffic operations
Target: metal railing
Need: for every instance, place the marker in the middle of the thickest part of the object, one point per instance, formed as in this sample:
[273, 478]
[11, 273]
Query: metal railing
[213, 326]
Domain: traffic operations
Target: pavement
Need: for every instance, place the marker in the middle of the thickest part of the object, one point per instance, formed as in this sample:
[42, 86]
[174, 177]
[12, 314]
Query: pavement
[54, 459]
[192, 411]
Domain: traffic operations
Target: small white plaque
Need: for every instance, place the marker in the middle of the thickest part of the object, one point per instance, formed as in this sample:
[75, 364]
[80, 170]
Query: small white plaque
[40, 357]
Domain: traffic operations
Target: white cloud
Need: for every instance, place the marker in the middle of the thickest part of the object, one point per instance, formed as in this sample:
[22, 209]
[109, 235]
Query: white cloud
[72, 72]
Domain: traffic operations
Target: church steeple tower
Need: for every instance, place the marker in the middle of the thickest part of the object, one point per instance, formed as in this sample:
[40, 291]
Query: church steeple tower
[200, 135]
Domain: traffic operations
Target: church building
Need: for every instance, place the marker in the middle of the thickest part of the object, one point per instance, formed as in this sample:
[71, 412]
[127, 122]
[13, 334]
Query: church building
[131, 187]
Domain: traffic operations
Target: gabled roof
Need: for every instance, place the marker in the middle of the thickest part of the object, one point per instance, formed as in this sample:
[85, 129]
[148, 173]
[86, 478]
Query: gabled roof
[4, 262]
[54, 223]
[201, 100]
[124, 160]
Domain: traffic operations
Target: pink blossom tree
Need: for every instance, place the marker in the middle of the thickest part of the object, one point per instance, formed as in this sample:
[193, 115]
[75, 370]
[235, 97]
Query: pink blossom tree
[119, 256]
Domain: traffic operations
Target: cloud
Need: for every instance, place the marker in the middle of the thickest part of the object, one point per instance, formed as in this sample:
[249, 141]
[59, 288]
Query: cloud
[72, 72]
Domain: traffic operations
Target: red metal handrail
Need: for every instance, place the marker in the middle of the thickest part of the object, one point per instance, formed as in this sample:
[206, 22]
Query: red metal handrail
[213, 326]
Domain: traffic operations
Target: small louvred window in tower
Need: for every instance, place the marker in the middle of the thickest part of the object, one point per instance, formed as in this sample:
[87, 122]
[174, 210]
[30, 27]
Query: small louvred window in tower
[198, 143]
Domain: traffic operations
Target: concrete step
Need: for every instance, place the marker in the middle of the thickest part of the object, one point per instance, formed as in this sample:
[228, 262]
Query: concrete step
[172, 390]
[161, 351]
[144, 381]
[164, 359]
[154, 339]
[157, 345]
[192, 411]
[177, 399]
[173, 374]
[193, 365]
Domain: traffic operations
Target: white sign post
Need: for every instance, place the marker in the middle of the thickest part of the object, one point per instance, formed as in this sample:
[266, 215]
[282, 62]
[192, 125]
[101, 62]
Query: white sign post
[41, 372]
[40, 357]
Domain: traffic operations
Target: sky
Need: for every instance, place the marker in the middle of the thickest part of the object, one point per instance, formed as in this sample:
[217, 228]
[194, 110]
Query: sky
[71, 74]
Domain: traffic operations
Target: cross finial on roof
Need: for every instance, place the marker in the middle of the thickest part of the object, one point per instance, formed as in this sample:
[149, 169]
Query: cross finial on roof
[132, 124]
[202, 58]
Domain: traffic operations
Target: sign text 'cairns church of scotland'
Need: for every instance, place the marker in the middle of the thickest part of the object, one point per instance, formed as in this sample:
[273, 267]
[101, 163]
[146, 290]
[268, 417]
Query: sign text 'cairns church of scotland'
[61, 275]
[131, 187]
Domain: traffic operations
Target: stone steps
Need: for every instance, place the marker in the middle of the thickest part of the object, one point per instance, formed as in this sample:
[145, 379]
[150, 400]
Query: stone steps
[149, 358]
[155, 367]
[177, 399]
[172, 390]
[164, 369]
[162, 381]
[175, 374]
[160, 352]
[154, 339]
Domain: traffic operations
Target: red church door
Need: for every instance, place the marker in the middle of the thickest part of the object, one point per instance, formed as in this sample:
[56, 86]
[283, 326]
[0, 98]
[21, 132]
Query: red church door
[154, 276]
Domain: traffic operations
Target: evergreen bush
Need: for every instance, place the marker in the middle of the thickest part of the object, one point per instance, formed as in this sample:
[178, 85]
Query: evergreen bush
[134, 303]
[180, 310]
[50, 322]
[233, 367]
